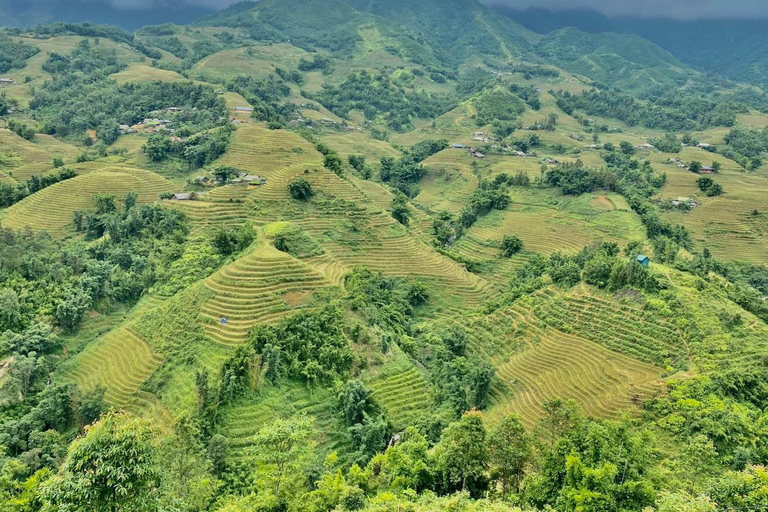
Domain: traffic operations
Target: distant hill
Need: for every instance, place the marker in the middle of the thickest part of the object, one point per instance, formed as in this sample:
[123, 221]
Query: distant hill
[420, 31]
[732, 48]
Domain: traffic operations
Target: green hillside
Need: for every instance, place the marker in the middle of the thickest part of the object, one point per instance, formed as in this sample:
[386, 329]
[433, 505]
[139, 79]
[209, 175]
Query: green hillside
[360, 255]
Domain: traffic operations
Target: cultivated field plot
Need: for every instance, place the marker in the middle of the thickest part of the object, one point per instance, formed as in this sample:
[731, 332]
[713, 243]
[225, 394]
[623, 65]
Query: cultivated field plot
[732, 226]
[52, 209]
[120, 361]
[141, 72]
[22, 158]
[261, 287]
[400, 388]
[565, 227]
[242, 420]
[545, 362]
[449, 182]
[258, 150]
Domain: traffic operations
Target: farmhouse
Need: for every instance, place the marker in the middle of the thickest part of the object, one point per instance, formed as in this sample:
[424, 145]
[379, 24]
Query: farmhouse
[476, 154]
[703, 145]
[458, 146]
[6, 81]
[242, 109]
[253, 180]
[705, 169]
[646, 146]
[643, 260]
[182, 196]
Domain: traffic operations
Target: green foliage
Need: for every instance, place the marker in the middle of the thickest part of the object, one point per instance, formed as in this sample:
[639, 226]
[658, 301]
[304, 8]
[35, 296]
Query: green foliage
[400, 210]
[378, 97]
[384, 301]
[461, 456]
[510, 451]
[290, 238]
[312, 346]
[231, 240]
[709, 186]
[110, 468]
[14, 55]
[282, 451]
[667, 144]
[673, 112]
[510, 245]
[497, 105]
[301, 189]
[22, 130]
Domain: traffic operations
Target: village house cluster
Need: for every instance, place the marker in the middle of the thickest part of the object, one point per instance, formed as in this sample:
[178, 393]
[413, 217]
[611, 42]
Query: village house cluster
[485, 139]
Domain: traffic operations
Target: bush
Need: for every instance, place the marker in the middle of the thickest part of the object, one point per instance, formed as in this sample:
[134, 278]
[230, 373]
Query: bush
[511, 244]
[301, 189]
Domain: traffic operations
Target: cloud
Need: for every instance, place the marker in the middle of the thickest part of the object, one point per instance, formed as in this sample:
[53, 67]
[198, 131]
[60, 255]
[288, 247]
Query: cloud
[678, 9]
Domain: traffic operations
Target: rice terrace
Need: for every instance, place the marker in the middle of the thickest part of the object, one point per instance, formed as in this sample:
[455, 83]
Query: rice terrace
[341, 255]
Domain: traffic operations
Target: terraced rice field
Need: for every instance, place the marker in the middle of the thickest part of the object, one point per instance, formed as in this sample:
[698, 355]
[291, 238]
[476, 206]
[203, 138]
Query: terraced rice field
[726, 224]
[623, 328]
[449, 182]
[120, 361]
[255, 289]
[401, 390]
[536, 362]
[602, 381]
[52, 208]
[23, 158]
[242, 420]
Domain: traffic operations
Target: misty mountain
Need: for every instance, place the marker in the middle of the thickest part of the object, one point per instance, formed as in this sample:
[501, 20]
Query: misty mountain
[730, 47]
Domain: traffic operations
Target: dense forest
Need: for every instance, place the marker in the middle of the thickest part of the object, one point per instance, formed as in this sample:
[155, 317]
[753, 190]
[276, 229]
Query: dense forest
[338, 256]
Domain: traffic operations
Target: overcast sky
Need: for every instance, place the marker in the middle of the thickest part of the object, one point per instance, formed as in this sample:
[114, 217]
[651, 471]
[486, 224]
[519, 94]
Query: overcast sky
[681, 9]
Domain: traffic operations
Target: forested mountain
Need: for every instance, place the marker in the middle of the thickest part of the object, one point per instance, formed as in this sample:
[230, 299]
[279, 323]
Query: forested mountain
[376, 255]
[732, 48]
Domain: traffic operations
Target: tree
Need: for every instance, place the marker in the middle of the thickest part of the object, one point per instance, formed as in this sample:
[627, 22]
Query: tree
[400, 210]
[627, 148]
[357, 162]
[301, 189]
[354, 401]
[716, 166]
[111, 468]
[510, 451]
[697, 458]
[218, 446]
[282, 450]
[695, 167]
[187, 484]
[462, 457]
[511, 244]
[10, 309]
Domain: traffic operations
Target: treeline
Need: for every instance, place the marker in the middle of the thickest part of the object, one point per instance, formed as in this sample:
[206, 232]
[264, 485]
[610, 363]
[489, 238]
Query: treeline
[267, 97]
[378, 97]
[14, 55]
[91, 30]
[746, 147]
[11, 194]
[72, 104]
[680, 114]
[197, 150]
[405, 173]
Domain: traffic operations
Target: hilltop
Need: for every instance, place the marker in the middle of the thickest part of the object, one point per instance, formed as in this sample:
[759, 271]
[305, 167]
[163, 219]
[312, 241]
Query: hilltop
[365, 255]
